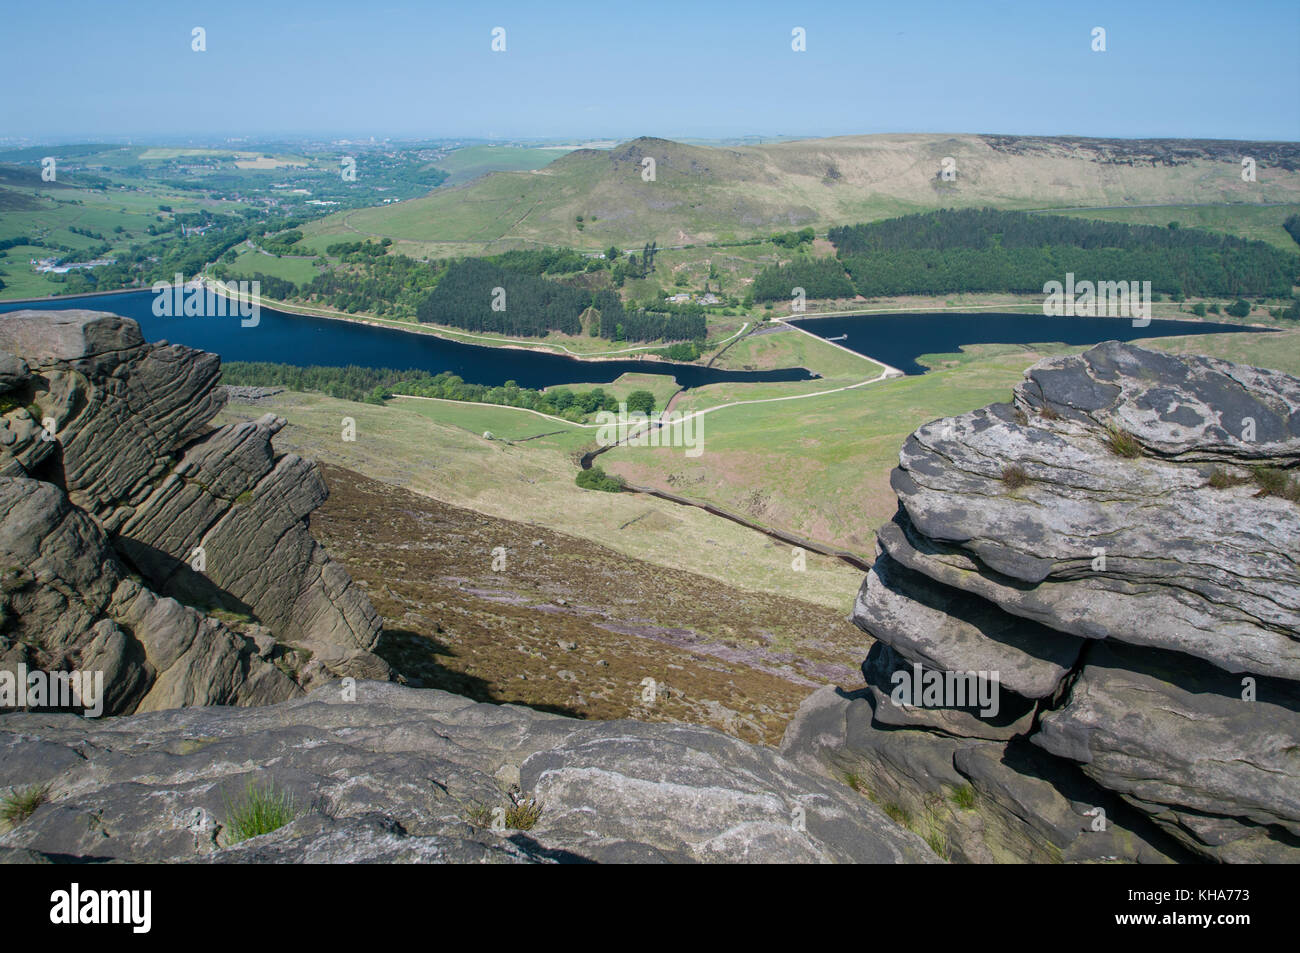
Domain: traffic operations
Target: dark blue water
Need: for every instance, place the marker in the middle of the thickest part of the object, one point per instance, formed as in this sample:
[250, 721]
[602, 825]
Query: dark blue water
[896, 339]
[303, 341]
[899, 339]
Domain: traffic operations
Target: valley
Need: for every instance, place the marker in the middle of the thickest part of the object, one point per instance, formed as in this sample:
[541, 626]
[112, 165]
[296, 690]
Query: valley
[704, 434]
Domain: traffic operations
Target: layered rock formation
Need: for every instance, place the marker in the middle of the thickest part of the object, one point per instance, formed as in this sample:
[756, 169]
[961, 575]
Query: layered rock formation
[402, 774]
[129, 528]
[69, 604]
[1118, 551]
[1111, 559]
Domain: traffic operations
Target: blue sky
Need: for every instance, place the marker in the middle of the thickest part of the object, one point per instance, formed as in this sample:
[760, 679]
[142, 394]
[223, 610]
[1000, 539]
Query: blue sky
[621, 69]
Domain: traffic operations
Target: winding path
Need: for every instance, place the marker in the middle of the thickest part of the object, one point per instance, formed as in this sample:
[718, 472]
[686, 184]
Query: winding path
[858, 562]
[889, 372]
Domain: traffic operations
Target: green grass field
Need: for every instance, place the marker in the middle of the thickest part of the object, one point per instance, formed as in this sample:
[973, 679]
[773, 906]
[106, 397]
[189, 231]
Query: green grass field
[298, 270]
[504, 423]
[469, 163]
[1279, 351]
[819, 467]
[515, 424]
[661, 385]
[49, 214]
[792, 348]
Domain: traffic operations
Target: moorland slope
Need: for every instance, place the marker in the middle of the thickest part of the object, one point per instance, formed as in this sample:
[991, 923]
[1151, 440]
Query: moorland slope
[592, 199]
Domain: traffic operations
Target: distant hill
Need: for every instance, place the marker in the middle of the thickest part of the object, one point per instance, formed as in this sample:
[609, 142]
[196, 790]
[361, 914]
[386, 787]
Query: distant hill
[705, 193]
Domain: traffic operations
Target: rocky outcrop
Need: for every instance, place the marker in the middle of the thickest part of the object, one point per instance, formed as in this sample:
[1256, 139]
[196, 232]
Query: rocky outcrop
[141, 541]
[247, 509]
[401, 774]
[1086, 624]
[1117, 549]
[250, 395]
[69, 604]
[176, 560]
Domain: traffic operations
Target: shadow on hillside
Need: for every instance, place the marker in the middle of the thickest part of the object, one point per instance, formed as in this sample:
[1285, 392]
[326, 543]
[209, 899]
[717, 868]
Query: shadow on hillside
[415, 656]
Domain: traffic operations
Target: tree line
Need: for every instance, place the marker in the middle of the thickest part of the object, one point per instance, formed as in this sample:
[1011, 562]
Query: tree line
[373, 384]
[819, 277]
[386, 285]
[480, 295]
[1178, 272]
[345, 383]
[464, 294]
[988, 250]
[672, 323]
[803, 236]
[538, 262]
[566, 402]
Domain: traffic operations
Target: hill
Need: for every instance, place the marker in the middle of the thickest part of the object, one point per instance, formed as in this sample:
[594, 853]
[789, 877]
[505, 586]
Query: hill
[592, 199]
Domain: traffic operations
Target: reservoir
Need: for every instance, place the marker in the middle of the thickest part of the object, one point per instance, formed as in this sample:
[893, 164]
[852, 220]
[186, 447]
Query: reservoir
[303, 341]
[899, 339]
[896, 339]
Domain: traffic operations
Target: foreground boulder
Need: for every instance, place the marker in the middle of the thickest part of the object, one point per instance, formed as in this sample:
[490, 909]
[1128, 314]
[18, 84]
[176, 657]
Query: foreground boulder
[376, 772]
[1116, 552]
[172, 556]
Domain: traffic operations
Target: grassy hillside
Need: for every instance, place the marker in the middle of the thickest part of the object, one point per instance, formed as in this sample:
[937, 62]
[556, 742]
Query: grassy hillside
[820, 467]
[467, 164]
[690, 586]
[703, 194]
[436, 448]
[299, 270]
[817, 467]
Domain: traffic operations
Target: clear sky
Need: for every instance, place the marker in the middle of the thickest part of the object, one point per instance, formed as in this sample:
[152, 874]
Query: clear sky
[621, 68]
